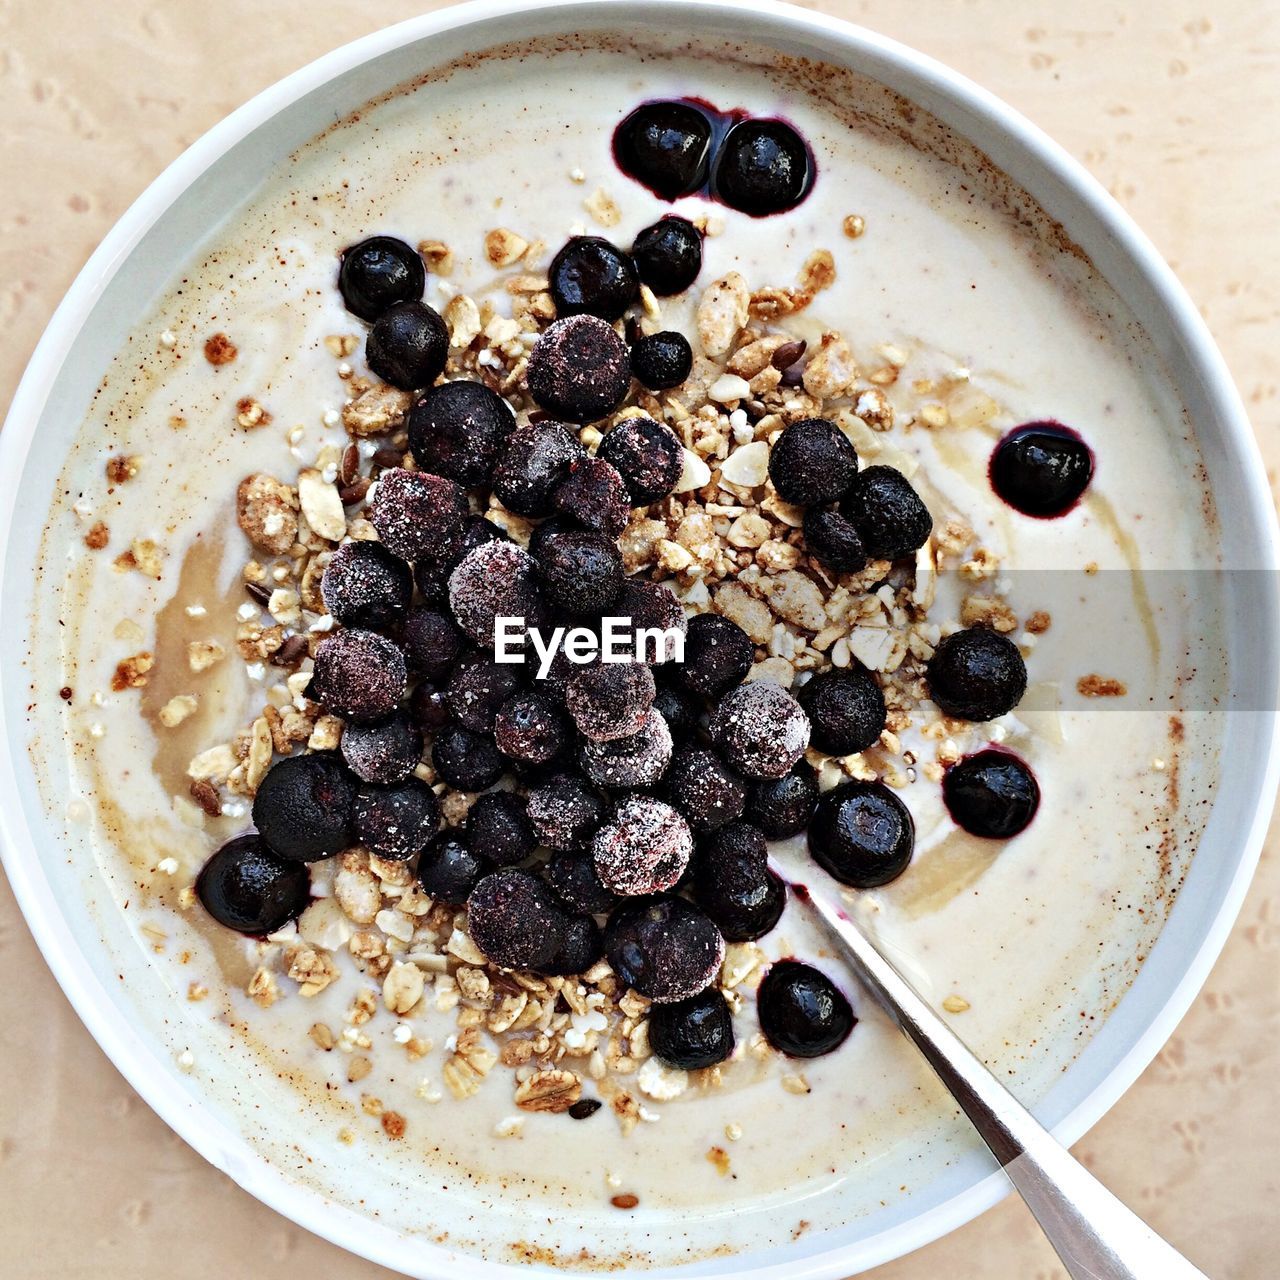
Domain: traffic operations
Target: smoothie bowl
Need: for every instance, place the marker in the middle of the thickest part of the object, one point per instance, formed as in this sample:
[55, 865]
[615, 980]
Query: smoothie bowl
[774, 343]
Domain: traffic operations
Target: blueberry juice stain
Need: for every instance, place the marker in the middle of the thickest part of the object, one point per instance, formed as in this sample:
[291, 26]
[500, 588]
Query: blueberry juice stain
[1041, 469]
[686, 146]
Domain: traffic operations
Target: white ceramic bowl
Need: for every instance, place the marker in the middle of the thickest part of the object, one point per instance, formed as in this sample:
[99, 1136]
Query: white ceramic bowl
[69, 916]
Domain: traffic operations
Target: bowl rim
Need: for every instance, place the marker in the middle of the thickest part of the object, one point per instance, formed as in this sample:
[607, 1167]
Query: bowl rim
[151, 1073]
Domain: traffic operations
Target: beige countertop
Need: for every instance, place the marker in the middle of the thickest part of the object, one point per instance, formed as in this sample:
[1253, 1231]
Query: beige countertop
[1171, 103]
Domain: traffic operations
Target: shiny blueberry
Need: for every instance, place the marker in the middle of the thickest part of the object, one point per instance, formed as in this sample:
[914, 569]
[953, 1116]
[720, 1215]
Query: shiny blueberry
[1041, 469]
[666, 146]
[246, 887]
[976, 674]
[379, 272]
[861, 834]
[579, 369]
[717, 655]
[498, 828]
[408, 345]
[534, 460]
[579, 570]
[465, 760]
[458, 429]
[992, 794]
[833, 541]
[647, 455]
[583, 946]
[364, 585]
[846, 709]
[762, 167]
[812, 463]
[302, 808]
[694, 1033]
[396, 822]
[666, 949]
[448, 870]
[516, 919]
[782, 807]
[734, 885]
[358, 675]
[385, 752]
[573, 876]
[668, 256]
[590, 276]
[661, 361]
[887, 512]
[428, 708]
[802, 1012]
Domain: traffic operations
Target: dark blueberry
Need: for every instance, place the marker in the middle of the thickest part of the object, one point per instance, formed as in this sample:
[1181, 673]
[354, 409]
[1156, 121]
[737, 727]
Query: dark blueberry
[861, 834]
[760, 728]
[643, 848]
[812, 463]
[661, 361]
[717, 655]
[535, 459]
[579, 570]
[432, 568]
[625, 763]
[1041, 469]
[665, 949]
[566, 811]
[466, 760]
[497, 580]
[385, 752]
[590, 276]
[573, 876]
[668, 256]
[408, 346]
[647, 455]
[303, 807]
[734, 885]
[833, 541]
[782, 807]
[992, 794]
[364, 585]
[478, 688]
[887, 512]
[457, 430]
[516, 920]
[246, 887]
[762, 167]
[448, 870]
[652, 607]
[976, 674]
[428, 708]
[498, 828]
[802, 1012]
[583, 945]
[531, 727]
[680, 710]
[379, 272]
[666, 146]
[585, 1108]
[415, 512]
[432, 642]
[693, 1034]
[595, 495]
[704, 789]
[579, 369]
[846, 710]
[396, 822]
[359, 675]
[610, 700]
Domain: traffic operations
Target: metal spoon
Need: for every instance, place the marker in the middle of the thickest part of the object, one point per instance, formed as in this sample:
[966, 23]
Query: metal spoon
[1095, 1235]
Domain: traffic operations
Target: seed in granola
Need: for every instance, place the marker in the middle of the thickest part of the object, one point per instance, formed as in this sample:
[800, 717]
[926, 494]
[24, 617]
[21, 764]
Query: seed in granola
[359, 675]
[666, 949]
[976, 674]
[595, 495]
[582, 947]
[782, 807]
[704, 789]
[623, 764]
[585, 1108]
[579, 369]
[734, 885]
[762, 167]
[992, 794]
[643, 848]
[788, 354]
[761, 729]
[457, 430]
[566, 811]
[498, 828]
[415, 512]
[364, 585]
[257, 592]
[302, 808]
[887, 513]
[692, 1034]
[812, 462]
[802, 1012]
[717, 655]
[205, 794]
[248, 888]
[861, 834]
[579, 570]
[432, 568]
[448, 869]
[408, 345]
[846, 709]
[377, 273]
[574, 877]
[610, 699]
[668, 256]
[833, 541]
[496, 580]
[591, 276]
[535, 458]
[396, 822]
[291, 652]
[1041, 469]
[465, 760]
[646, 454]
[515, 919]
[383, 753]
[680, 710]
[626, 1201]
[531, 728]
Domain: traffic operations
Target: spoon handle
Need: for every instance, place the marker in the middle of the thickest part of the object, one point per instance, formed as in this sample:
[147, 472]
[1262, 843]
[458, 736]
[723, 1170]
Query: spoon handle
[1095, 1235]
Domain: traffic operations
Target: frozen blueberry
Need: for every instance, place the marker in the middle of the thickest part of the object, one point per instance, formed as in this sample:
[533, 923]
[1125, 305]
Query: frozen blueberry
[457, 430]
[1041, 469]
[408, 345]
[762, 167]
[782, 807]
[432, 568]
[661, 361]
[428, 708]
[643, 848]
[566, 811]
[861, 834]
[610, 699]
[590, 276]
[666, 146]
[666, 949]
[653, 608]
[579, 570]
[802, 1012]
[246, 887]
[976, 674]
[692, 1034]
[704, 789]
[302, 808]
[465, 760]
[573, 876]
[595, 495]
[364, 585]
[583, 945]
[359, 675]
[887, 512]
[579, 369]
[625, 763]
[396, 822]
[734, 885]
[668, 256]
[992, 794]
[379, 272]
[498, 828]
[812, 463]
[647, 455]
[448, 870]
[432, 642]
[497, 580]
[760, 728]
[478, 688]
[680, 710]
[833, 541]
[845, 708]
[385, 752]
[515, 919]
[415, 512]
[532, 728]
[534, 460]
[717, 655]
